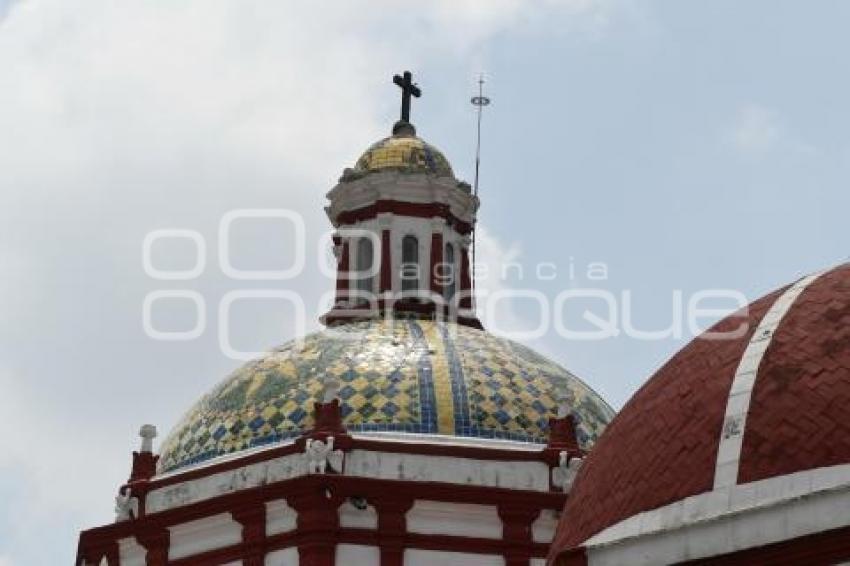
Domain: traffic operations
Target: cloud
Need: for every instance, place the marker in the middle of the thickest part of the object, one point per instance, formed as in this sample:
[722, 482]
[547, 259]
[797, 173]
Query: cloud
[5, 8]
[758, 130]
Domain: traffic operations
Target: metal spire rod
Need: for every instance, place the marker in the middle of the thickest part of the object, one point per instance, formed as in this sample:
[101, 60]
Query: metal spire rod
[480, 101]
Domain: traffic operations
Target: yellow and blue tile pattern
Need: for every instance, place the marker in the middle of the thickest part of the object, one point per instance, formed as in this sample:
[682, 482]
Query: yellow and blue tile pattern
[406, 154]
[396, 376]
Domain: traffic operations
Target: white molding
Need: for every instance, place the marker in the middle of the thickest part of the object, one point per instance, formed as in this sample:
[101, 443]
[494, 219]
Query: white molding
[523, 474]
[406, 187]
[445, 440]
[729, 519]
[222, 483]
[519, 475]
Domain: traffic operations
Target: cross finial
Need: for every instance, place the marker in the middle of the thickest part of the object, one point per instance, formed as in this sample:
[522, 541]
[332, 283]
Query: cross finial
[408, 88]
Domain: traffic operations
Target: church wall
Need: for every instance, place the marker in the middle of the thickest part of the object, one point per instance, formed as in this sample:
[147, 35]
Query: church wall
[195, 537]
[417, 557]
[130, 552]
[351, 516]
[280, 517]
[458, 519]
[285, 557]
[543, 529]
[358, 554]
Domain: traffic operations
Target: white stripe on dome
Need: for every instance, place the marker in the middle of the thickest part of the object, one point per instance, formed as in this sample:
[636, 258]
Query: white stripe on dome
[740, 394]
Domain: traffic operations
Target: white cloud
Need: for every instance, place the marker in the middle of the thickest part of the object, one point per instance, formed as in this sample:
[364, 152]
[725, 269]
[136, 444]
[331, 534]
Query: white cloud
[758, 130]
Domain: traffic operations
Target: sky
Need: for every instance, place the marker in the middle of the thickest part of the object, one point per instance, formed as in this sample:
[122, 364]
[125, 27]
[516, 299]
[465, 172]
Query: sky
[686, 146]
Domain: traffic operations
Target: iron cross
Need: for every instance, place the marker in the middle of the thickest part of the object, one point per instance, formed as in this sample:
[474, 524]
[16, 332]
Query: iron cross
[407, 88]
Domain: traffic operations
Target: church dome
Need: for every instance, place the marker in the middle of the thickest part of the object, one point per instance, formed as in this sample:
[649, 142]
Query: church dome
[733, 416]
[401, 376]
[404, 152]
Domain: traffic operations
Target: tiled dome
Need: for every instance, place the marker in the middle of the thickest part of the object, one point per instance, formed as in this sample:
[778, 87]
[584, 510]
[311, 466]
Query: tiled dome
[725, 413]
[406, 153]
[402, 376]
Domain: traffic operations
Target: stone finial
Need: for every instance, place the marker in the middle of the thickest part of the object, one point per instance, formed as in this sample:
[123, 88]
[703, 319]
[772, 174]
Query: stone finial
[148, 433]
[330, 388]
[144, 461]
[564, 398]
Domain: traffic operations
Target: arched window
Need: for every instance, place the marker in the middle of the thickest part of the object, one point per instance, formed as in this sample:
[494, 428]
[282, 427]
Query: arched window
[365, 259]
[409, 263]
[449, 274]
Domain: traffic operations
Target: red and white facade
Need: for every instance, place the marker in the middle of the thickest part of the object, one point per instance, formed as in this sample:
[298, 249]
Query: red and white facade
[337, 497]
[366, 502]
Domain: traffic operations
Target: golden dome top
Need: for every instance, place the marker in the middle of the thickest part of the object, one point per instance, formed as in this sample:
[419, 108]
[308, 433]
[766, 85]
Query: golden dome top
[404, 152]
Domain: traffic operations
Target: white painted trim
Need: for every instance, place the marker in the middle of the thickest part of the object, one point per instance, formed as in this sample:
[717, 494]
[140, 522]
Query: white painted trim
[740, 394]
[445, 440]
[227, 481]
[517, 475]
[532, 475]
[785, 493]
[407, 187]
[752, 515]
[233, 456]
[405, 437]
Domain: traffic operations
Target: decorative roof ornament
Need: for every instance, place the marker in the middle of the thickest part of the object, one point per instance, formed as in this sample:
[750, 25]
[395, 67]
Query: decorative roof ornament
[321, 455]
[330, 388]
[565, 474]
[148, 433]
[408, 88]
[126, 505]
[144, 461]
[564, 402]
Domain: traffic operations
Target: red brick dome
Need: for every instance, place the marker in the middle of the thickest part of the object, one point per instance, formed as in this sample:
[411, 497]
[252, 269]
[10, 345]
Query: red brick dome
[773, 401]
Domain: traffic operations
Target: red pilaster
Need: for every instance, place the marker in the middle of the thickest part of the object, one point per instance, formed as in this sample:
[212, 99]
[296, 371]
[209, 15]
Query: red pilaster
[156, 543]
[318, 523]
[516, 531]
[386, 262]
[436, 260]
[465, 281]
[253, 521]
[562, 437]
[392, 526]
[342, 268]
[144, 466]
[94, 556]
